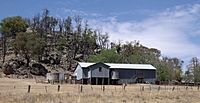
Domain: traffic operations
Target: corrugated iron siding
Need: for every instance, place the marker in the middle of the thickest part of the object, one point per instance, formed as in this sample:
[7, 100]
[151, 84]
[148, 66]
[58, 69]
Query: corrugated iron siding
[104, 73]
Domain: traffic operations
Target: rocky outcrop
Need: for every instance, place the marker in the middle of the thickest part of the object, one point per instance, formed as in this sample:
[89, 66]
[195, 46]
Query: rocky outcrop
[38, 69]
[10, 66]
[53, 58]
[7, 69]
[15, 67]
[23, 70]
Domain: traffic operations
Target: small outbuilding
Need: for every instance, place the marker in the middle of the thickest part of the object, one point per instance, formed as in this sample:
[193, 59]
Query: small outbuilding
[112, 73]
[55, 77]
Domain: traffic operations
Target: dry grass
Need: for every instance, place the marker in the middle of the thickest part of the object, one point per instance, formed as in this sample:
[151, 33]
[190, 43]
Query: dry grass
[15, 91]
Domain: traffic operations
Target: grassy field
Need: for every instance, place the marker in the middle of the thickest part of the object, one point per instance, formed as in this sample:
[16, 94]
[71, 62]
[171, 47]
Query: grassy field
[15, 91]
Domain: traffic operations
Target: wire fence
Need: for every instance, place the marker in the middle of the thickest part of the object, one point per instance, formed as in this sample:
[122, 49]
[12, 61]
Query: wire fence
[76, 88]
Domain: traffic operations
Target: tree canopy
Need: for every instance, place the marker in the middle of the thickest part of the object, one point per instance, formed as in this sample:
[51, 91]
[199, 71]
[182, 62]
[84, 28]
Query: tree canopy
[28, 45]
[12, 25]
[193, 72]
[9, 27]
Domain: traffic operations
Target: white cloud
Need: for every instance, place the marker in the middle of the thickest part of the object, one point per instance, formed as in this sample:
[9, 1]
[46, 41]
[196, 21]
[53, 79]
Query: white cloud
[79, 12]
[168, 31]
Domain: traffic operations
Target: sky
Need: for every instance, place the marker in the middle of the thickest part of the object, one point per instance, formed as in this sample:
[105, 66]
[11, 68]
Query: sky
[172, 26]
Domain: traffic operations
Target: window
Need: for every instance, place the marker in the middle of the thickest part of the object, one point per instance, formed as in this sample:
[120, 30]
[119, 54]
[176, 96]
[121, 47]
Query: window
[100, 69]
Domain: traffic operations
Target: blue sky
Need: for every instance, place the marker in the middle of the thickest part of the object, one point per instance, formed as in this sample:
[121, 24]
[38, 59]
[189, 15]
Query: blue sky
[123, 10]
[172, 26]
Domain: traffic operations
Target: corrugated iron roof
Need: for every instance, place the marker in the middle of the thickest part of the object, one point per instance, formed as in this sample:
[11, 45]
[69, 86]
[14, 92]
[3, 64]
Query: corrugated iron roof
[122, 66]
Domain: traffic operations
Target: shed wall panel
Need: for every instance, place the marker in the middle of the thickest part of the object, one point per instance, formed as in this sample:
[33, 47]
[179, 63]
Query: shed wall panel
[86, 72]
[79, 72]
[104, 73]
[131, 74]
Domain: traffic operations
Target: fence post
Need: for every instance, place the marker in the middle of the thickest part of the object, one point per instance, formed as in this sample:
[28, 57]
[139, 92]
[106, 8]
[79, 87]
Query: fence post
[198, 88]
[173, 88]
[103, 88]
[29, 88]
[45, 88]
[142, 88]
[150, 87]
[159, 88]
[124, 86]
[78, 88]
[58, 88]
[91, 87]
[81, 88]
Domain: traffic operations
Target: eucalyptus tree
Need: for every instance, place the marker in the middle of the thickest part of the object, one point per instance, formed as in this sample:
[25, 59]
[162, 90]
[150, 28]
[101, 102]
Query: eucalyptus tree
[9, 27]
[28, 45]
[194, 69]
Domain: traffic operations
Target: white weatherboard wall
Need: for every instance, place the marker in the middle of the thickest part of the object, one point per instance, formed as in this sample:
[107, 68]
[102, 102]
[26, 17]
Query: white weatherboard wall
[89, 73]
[61, 76]
[78, 72]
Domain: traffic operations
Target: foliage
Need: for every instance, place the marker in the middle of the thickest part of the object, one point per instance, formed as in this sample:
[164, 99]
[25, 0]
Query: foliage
[107, 56]
[28, 45]
[12, 25]
[193, 72]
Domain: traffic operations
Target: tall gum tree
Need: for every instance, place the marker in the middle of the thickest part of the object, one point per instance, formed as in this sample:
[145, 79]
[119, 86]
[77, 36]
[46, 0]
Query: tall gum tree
[9, 27]
[28, 45]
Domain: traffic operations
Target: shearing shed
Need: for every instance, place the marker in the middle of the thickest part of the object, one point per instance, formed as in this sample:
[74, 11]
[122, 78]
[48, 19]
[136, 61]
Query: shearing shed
[112, 73]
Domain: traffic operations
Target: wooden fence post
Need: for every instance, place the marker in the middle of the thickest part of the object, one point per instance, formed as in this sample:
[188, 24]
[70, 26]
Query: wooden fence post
[58, 88]
[29, 88]
[103, 88]
[45, 88]
[159, 88]
[198, 88]
[81, 88]
[142, 88]
[150, 87]
[78, 88]
[173, 88]
[91, 87]
[124, 86]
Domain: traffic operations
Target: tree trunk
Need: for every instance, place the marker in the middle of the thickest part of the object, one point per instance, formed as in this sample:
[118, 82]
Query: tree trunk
[4, 47]
[27, 60]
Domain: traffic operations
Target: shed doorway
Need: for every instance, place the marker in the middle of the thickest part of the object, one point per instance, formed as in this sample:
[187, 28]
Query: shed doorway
[99, 81]
[84, 81]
